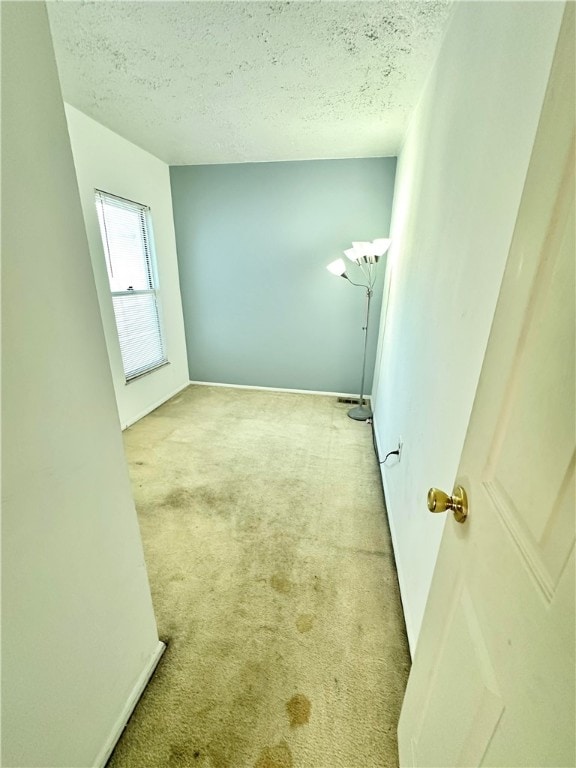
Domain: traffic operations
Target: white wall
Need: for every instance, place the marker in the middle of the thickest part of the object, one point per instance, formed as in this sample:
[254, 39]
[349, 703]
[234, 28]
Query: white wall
[458, 186]
[106, 161]
[78, 630]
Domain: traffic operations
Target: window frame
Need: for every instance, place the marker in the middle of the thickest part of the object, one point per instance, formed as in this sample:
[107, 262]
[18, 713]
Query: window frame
[151, 270]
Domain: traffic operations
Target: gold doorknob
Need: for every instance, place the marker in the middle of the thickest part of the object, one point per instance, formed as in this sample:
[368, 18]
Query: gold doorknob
[438, 501]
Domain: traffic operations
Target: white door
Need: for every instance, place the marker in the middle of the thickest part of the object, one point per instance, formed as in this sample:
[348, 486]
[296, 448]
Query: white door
[493, 680]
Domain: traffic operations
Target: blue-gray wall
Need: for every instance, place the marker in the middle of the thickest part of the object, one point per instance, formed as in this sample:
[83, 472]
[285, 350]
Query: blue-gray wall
[253, 242]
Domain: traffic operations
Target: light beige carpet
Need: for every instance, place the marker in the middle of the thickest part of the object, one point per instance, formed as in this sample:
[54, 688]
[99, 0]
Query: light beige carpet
[273, 583]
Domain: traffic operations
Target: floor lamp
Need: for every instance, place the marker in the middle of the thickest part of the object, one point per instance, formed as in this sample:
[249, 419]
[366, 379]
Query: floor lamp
[366, 256]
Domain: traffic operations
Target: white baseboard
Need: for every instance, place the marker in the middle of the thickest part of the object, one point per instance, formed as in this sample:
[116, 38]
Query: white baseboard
[277, 389]
[129, 707]
[154, 406]
[399, 567]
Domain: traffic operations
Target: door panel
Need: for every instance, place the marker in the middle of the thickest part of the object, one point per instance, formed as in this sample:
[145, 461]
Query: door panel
[472, 707]
[540, 386]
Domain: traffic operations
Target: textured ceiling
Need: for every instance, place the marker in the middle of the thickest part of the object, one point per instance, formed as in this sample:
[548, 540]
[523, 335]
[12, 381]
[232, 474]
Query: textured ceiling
[225, 82]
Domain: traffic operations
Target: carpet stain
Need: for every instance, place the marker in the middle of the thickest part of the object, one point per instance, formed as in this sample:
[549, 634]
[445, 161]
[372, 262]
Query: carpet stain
[298, 709]
[201, 496]
[281, 584]
[182, 755]
[214, 498]
[278, 756]
[305, 622]
[179, 497]
[177, 577]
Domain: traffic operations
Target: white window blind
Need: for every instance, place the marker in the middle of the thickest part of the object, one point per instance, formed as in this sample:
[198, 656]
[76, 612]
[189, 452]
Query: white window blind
[126, 238]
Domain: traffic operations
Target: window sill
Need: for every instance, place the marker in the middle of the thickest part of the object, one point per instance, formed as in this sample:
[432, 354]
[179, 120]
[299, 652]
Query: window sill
[146, 373]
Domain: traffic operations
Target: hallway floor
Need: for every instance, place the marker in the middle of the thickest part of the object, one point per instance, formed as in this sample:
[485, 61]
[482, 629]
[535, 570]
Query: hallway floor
[273, 583]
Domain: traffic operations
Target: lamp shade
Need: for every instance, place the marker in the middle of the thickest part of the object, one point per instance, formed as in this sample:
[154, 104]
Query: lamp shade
[337, 267]
[362, 248]
[381, 245]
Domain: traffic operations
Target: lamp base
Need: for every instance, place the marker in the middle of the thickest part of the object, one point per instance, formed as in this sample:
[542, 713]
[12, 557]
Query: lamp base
[360, 413]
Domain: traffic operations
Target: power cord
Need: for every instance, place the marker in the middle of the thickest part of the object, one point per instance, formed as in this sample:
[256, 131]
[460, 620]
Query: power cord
[390, 453]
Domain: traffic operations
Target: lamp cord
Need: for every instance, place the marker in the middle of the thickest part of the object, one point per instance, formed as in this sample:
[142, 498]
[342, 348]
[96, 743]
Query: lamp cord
[390, 453]
[396, 452]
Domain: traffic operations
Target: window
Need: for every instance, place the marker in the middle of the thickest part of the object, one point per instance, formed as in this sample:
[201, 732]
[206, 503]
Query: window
[126, 237]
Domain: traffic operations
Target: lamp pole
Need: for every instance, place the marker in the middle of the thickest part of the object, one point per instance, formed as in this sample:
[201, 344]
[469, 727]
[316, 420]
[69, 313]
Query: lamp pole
[362, 412]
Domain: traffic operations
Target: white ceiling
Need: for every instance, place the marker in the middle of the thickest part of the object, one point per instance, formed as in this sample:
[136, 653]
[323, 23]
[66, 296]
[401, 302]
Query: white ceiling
[227, 82]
